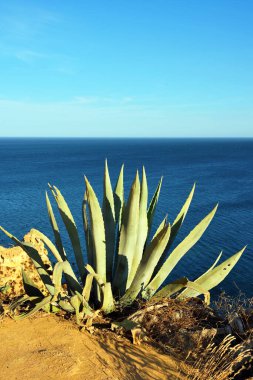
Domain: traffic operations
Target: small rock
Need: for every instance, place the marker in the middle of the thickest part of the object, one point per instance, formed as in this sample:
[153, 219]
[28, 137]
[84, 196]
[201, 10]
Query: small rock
[13, 259]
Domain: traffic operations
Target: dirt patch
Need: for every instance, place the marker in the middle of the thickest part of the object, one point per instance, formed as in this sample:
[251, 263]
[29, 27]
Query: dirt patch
[48, 347]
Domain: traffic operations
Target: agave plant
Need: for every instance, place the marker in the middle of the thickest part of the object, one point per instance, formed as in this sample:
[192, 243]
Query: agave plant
[123, 262]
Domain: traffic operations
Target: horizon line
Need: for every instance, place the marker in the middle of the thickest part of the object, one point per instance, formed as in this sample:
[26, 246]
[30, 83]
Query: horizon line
[126, 137]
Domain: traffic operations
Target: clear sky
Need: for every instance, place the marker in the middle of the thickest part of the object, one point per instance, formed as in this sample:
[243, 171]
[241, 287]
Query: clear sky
[154, 68]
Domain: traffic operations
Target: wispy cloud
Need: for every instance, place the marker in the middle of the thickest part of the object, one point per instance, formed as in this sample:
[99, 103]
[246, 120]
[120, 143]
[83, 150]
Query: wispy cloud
[85, 100]
[81, 102]
[104, 100]
[30, 56]
[24, 23]
[93, 116]
[21, 27]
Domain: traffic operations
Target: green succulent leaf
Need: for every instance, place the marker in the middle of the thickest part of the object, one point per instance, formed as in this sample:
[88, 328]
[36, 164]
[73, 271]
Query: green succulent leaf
[109, 223]
[76, 303]
[20, 301]
[87, 232]
[142, 227]
[71, 228]
[88, 287]
[149, 260]
[98, 231]
[181, 216]
[49, 244]
[40, 304]
[215, 263]
[55, 228]
[213, 276]
[119, 196]
[57, 279]
[170, 289]
[128, 239]
[163, 223]
[81, 307]
[175, 228]
[70, 277]
[153, 204]
[65, 305]
[177, 254]
[108, 305]
[96, 276]
[174, 287]
[65, 265]
[29, 286]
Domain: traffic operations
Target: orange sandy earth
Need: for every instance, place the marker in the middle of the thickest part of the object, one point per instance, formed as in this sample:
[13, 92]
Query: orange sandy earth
[48, 347]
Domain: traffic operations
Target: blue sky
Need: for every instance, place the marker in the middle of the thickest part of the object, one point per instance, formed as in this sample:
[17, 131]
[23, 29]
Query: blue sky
[172, 68]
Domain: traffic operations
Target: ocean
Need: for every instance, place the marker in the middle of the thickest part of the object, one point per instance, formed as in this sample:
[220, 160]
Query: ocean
[221, 168]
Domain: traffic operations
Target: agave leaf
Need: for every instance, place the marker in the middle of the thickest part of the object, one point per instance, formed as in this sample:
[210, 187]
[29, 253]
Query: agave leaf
[142, 228]
[76, 303]
[176, 227]
[87, 287]
[30, 287]
[153, 204]
[163, 223]
[51, 308]
[177, 285]
[178, 253]
[181, 216]
[199, 289]
[36, 259]
[98, 231]
[97, 277]
[18, 302]
[55, 228]
[109, 222]
[57, 279]
[119, 196]
[215, 263]
[119, 210]
[65, 305]
[108, 305]
[128, 238]
[66, 267]
[170, 289]
[39, 305]
[149, 260]
[212, 277]
[87, 231]
[86, 309]
[70, 225]
[71, 277]
[49, 244]
[99, 283]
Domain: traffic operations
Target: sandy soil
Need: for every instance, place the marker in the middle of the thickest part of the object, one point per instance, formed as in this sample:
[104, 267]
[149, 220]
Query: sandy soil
[48, 347]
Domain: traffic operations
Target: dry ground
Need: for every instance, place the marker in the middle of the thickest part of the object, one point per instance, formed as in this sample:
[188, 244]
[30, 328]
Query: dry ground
[48, 347]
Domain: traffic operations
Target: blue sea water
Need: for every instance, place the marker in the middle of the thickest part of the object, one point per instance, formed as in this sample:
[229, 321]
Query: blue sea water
[222, 169]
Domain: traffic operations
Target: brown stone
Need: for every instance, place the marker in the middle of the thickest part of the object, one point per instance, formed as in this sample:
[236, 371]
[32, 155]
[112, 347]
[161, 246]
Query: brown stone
[13, 259]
